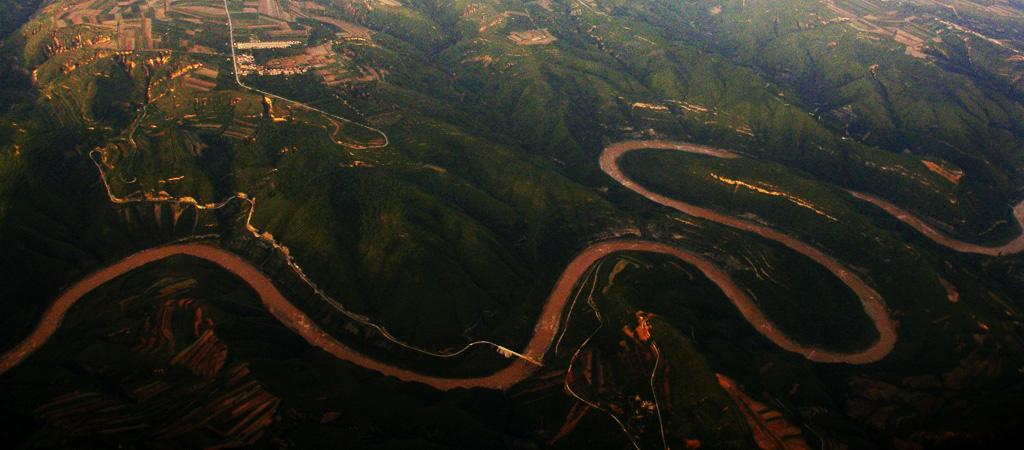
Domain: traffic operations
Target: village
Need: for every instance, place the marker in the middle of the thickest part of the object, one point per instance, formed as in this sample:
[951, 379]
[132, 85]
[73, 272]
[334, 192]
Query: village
[283, 27]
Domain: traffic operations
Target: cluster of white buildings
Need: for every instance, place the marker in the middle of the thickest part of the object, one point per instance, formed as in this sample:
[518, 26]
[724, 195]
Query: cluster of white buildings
[246, 65]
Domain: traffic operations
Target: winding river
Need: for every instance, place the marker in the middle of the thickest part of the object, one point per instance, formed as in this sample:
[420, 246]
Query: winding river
[1016, 245]
[549, 322]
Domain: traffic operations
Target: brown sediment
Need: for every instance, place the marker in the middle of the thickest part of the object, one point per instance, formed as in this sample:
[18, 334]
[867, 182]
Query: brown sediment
[544, 331]
[1014, 246]
[549, 322]
[870, 300]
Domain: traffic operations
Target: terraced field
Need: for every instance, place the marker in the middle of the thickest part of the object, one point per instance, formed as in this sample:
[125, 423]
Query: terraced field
[518, 215]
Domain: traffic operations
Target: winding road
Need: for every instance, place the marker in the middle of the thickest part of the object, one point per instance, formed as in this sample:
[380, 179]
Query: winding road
[550, 319]
[238, 80]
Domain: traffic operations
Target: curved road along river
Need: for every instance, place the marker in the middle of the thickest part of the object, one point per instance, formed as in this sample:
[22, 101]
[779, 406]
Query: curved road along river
[550, 319]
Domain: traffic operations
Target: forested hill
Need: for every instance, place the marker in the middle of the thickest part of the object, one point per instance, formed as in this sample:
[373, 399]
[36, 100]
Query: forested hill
[13, 13]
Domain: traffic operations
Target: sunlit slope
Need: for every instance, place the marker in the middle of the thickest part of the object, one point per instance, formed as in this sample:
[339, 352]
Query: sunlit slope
[187, 356]
[456, 231]
[495, 180]
[799, 84]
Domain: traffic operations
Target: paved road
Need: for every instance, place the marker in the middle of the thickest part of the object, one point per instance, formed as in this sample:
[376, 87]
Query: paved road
[238, 80]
